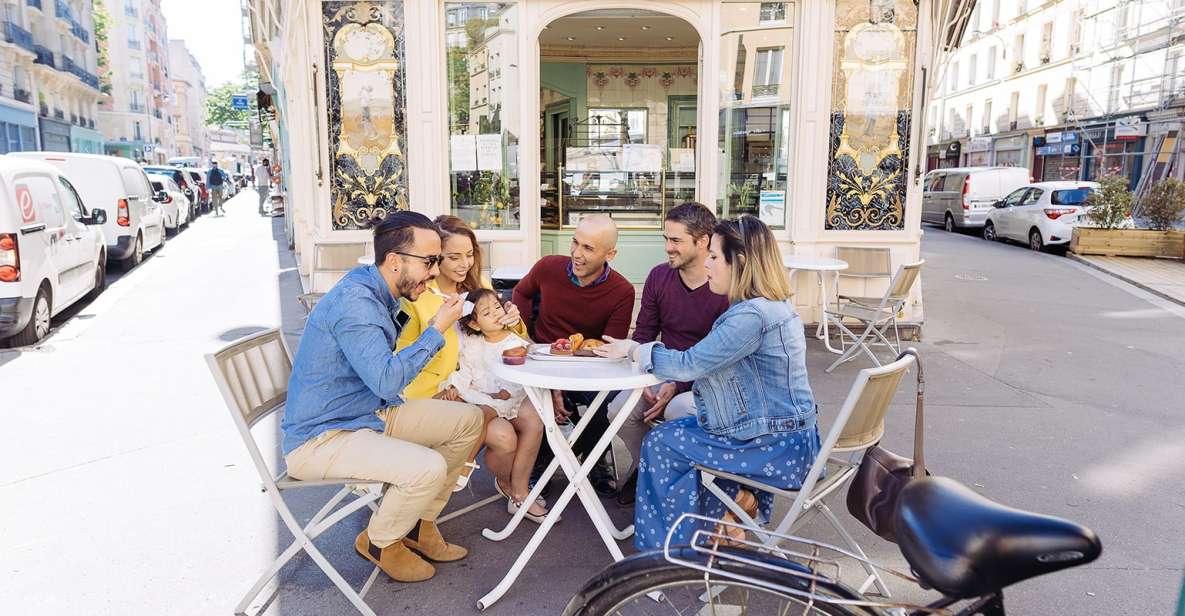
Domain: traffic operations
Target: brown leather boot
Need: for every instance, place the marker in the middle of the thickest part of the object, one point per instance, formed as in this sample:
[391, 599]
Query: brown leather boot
[426, 540]
[398, 562]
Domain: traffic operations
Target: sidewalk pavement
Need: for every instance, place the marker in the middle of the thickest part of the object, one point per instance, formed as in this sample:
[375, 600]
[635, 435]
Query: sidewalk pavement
[1163, 277]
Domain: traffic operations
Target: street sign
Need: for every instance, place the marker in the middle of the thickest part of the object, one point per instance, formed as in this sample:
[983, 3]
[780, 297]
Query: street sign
[239, 102]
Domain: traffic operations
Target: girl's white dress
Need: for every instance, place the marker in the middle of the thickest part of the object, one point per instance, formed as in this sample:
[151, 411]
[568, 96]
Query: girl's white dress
[475, 379]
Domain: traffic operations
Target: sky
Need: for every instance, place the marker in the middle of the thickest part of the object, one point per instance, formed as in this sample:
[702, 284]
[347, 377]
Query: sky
[212, 31]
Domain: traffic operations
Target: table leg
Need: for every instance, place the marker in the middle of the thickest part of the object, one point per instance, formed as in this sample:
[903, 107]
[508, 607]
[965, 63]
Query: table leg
[578, 479]
[823, 315]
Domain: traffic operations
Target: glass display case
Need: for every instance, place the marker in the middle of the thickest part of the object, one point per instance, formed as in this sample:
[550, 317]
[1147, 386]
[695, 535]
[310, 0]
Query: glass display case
[634, 199]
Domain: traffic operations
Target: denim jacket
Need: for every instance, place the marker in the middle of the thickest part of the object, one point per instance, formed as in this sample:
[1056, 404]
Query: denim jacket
[749, 371]
[344, 370]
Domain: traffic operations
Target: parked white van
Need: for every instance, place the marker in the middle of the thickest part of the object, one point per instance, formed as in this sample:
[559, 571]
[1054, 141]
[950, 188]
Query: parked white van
[961, 197]
[52, 251]
[136, 222]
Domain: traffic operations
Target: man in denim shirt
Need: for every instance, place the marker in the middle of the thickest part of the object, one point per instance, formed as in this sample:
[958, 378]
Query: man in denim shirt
[345, 417]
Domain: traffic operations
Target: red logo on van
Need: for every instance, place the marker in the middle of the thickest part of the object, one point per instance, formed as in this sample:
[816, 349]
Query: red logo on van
[25, 199]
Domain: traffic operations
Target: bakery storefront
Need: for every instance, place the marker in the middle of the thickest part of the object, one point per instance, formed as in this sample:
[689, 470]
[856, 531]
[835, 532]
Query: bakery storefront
[524, 117]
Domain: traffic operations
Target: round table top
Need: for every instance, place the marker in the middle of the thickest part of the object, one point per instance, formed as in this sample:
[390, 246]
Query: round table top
[591, 375]
[818, 264]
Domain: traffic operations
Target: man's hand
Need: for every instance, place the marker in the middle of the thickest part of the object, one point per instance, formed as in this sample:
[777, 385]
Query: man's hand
[451, 394]
[501, 395]
[448, 313]
[557, 402]
[666, 391]
[512, 316]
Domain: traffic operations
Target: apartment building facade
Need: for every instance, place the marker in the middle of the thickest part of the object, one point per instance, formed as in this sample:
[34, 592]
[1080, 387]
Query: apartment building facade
[136, 116]
[49, 90]
[1070, 89]
[189, 101]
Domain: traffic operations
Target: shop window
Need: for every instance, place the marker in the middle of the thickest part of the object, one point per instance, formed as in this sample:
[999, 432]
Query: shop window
[754, 134]
[483, 99]
[871, 114]
[609, 127]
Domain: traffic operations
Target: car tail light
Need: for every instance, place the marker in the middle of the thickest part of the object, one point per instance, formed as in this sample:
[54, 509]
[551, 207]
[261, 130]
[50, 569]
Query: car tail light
[10, 258]
[168, 198]
[122, 218]
[1053, 213]
[966, 192]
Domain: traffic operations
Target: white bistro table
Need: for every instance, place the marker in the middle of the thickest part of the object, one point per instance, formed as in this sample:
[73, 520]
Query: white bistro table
[538, 377]
[818, 265]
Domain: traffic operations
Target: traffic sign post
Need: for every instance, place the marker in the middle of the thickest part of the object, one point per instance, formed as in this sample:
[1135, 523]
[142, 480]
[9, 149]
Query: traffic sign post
[239, 102]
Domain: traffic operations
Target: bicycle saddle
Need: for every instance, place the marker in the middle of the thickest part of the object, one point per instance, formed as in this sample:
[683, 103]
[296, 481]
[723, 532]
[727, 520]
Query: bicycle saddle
[964, 545]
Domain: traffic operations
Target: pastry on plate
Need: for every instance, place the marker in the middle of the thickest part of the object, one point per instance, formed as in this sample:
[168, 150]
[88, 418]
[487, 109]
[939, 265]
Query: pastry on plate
[514, 356]
[562, 346]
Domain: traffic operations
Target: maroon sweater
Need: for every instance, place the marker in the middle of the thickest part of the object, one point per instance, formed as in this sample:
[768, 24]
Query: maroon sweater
[681, 316]
[564, 309]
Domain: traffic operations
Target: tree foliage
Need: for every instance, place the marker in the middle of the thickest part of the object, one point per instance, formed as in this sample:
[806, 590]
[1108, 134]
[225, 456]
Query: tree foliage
[1111, 205]
[102, 21]
[1165, 204]
[218, 107]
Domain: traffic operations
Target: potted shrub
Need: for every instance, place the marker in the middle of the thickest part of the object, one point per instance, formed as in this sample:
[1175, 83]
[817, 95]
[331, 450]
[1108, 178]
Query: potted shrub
[1111, 233]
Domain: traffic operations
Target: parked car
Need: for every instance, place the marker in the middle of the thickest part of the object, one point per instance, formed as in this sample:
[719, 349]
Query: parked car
[199, 179]
[191, 190]
[961, 197]
[136, 224]
[52, 251]
[173, 202]
[1042, 214]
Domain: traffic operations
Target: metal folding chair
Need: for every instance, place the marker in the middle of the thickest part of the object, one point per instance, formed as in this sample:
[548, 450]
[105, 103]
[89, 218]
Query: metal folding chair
[859, 425]
[252, 374]
[875, 320]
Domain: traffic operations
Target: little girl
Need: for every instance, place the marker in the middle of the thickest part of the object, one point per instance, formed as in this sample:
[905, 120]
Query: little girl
[513, 429]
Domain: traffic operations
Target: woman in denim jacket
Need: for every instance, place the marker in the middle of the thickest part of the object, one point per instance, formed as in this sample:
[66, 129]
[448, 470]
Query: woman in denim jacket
[755, 414]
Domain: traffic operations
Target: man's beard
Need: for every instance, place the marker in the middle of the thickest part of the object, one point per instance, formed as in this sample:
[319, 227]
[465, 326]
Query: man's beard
[406, 285]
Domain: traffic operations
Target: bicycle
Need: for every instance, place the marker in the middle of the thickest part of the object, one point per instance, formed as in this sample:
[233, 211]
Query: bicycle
[956, 542]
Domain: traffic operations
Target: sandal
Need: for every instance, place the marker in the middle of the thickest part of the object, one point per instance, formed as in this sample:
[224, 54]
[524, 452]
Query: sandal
[735, 534]
[512, 507]
[463, 478]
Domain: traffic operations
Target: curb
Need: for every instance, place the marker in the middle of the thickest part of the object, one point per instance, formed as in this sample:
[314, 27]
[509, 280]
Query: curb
[1134, 283]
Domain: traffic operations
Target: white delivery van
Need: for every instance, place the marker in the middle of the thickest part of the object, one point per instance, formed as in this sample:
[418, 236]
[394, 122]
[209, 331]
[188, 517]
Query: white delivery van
[135, 221]
[961, 197]
[52, 251]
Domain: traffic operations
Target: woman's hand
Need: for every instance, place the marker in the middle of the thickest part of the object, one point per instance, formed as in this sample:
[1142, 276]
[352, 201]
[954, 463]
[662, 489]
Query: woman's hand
[451, 394]
[616, 349]
[512, 316]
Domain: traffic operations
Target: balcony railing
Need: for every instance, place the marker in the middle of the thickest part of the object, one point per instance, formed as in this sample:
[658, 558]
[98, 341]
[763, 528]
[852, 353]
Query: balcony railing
[34, 3]
[136, 108]
[80, 32]
[58, 114]
[44, 56]
[130, 11]
[74, 118]
[18, 36]
[73, 68]
[133, 44]
[23, 96]
[62, 10]
[765, 90]
[44, 109]
[90, 123]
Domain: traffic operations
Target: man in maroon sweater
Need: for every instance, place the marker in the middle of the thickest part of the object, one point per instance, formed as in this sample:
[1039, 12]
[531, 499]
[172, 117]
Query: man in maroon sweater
[678, 306]
[562, 296]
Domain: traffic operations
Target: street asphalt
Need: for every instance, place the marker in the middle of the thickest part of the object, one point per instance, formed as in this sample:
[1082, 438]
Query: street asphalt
[125, 488]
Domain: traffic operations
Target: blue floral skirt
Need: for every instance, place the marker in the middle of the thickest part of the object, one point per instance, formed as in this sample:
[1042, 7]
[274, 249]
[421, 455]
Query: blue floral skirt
[668, 486]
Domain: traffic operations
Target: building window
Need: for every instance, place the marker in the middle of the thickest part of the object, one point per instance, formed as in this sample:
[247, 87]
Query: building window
[1113, 96]
[987, 117]
[954, 77]
[995, 13]
[991, 63]
[1039, 107]
[1046, 41]
[483, 100]
[972, 69]
[754, 130]
[1013, 110]
[969, 118]
[1068, 96]
[1018, 53]
[773, 12]
[137, 135]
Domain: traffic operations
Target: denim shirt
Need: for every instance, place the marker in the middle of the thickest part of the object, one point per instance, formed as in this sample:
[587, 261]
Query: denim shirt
[344, 370]
[749, 371]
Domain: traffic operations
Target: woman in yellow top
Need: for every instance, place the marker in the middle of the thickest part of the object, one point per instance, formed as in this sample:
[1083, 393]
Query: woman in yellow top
[460, 272]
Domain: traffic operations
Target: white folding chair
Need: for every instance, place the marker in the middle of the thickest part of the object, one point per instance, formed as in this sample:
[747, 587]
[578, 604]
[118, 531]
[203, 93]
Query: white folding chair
[874, 319]
[864, 264]
[859, 425]
[252, 374]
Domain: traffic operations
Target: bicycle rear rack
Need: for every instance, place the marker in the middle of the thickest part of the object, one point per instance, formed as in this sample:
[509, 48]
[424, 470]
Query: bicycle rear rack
[823, 563]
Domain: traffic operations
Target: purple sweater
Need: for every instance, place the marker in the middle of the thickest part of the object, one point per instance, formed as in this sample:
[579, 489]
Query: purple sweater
[681, 316]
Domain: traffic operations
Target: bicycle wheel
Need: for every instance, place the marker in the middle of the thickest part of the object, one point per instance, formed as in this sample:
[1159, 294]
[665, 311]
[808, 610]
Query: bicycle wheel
[647, 583]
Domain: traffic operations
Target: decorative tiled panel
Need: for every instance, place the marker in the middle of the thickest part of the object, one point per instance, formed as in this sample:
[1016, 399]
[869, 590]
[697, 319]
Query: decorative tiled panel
[872, 94]
[366, 107]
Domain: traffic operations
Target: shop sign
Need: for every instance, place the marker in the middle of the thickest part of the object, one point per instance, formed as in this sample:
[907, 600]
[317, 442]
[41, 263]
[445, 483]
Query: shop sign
[772, 207]
[980, 144]
[1130, 129]
[1064, 149]
[1061, 137]
[1010, 143]
[952, 150]
[1099, 133]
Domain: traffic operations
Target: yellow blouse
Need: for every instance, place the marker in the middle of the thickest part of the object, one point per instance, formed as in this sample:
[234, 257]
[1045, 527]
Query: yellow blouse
[427, 384]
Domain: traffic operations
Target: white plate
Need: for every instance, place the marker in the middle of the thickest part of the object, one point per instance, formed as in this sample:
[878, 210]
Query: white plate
[542, 352]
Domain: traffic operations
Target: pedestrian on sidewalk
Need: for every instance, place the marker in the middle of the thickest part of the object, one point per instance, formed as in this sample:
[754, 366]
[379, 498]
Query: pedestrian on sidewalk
[346, 416]
[216, 180]
[263, 182]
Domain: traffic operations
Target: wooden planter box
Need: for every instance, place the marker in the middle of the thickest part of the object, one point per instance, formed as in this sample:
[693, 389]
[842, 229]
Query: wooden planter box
[1128, 242]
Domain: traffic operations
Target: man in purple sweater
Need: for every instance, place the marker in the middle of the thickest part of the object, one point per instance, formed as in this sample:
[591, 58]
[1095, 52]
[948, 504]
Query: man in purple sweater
[678, 306]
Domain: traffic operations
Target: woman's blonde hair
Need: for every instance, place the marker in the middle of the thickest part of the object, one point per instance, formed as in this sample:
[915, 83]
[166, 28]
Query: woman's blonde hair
[757, 271]
[451, 225]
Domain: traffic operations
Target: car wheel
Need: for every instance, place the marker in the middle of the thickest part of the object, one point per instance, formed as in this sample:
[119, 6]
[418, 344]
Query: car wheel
[100, 278]
[137, 255]
[949, 223]
[989, 231]
[38, 326]
[1035, 241]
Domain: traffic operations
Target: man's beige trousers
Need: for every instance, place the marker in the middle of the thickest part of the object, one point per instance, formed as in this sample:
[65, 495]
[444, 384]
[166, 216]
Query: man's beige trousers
[419, 455]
